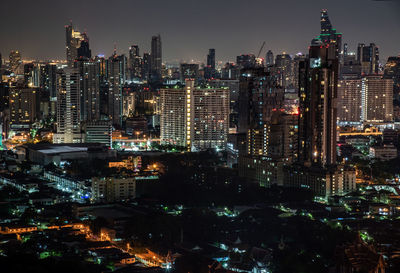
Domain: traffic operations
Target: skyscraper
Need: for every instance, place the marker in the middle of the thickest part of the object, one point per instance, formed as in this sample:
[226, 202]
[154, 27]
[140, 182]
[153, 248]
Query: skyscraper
[258, 96]
[189, 71]
[328, 34]
[72, 43]
[318, 114]
[89, 71]
[15, 61]
[84, 52]
[156, 58]
[146, 66]
[269, 58]
[134, 63]
[209, 70]
[116, 77]
[368, 57]
[68, 107]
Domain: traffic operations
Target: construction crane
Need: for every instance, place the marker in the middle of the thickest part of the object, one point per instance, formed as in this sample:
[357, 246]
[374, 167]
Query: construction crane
[262, 47]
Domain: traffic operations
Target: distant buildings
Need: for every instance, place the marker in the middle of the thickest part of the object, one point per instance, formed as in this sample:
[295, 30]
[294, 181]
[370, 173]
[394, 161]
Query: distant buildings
[156, 58]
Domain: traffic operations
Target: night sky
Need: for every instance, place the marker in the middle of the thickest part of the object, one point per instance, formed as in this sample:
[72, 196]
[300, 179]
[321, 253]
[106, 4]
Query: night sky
[188, 27]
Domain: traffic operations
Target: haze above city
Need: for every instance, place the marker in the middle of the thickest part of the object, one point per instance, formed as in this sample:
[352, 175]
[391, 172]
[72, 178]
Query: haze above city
[189, 28]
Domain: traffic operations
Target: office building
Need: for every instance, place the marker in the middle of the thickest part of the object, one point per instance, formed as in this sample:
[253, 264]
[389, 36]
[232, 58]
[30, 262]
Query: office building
[377, 99]
[209, 70]
[68, 107]
[134, 63]
[89, 71]
[116, 78]
[98, 132]
[368, 57]
[269, 58]
[156, 58]
[72, 43]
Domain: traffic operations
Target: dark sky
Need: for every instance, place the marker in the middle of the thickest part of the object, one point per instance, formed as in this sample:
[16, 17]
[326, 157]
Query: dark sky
[189, 27]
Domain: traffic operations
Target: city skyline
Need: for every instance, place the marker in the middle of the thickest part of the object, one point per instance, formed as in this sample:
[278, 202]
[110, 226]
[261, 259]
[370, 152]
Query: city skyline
[285, 26]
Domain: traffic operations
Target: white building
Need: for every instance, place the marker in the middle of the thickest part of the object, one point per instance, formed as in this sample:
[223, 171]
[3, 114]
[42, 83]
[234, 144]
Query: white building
[68, 107]
[197, 118]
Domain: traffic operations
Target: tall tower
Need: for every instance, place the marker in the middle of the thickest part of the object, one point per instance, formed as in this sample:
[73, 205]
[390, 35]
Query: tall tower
[269, 58]
[318, 82]
[209, 70]
[116, 75]
[68, 107]
[134, 63]
[72, 43]
[156, 58]
[89, 71]
[329, 35]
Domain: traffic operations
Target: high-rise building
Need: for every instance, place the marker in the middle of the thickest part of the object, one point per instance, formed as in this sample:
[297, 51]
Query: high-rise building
[318, 113]
[156, 58]
[258, 96]
[68, 107]
[269, 58]
[116, 76]
[84, 52]
[24, 106]
[230, 71]
[72, 43]
[89, 71]
[48, 77]
[15, 61]
[316, 167]
[246, 61]
[328, 34]
[377, 99]
[197, 118]
[134, 63]
[172, 121]
[209, 70]
[349, 100]
[146, 66]
[283, 70]
[392, 71]
[368, 57]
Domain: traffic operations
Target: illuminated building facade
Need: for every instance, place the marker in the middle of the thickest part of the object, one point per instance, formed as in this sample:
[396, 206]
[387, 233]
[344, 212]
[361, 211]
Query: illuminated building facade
[116, 76]
[197, 118]
[72, 43]
[349, 100]
[68, 107]
[24, 105]
[377, 99]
